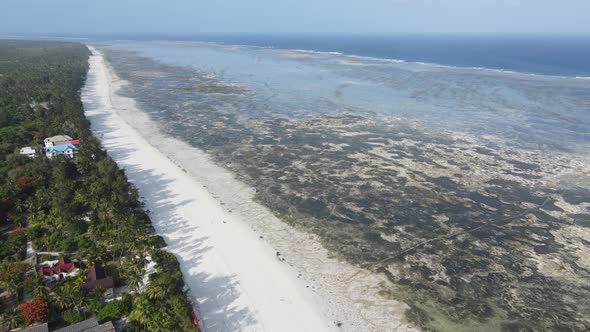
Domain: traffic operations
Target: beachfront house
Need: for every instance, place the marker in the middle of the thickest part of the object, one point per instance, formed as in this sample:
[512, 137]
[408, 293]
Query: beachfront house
[28, 151]
[57, 140]
[97, 278]
[66, 149]
[58, 270]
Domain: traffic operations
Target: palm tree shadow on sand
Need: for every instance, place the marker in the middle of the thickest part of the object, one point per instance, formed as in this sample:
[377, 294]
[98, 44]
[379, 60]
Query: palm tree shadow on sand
[215, 296]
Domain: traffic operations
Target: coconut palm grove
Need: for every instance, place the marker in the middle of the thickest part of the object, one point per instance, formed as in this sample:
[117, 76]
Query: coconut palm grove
[76, 247]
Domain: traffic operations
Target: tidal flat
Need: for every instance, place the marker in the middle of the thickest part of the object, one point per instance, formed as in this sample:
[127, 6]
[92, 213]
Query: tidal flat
[472, 232]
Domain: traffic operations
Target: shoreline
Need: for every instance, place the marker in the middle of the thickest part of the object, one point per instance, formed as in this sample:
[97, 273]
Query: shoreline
[227, 244]
[372, 60]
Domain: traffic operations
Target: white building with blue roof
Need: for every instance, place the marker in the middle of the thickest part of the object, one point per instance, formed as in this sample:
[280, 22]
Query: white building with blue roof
[66, 149]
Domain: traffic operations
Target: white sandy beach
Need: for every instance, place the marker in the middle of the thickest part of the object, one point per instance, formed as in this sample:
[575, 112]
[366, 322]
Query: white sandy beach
[225, 243]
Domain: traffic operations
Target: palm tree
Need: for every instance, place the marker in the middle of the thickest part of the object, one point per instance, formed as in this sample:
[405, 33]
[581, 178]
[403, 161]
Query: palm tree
[135, 270]
[134, 281]
[41, 291]
[137, 263]
[60, 299]
[13, 319]
[68, 296]
[11, 285]
[13, 276]
[156, 292]
[142, 310]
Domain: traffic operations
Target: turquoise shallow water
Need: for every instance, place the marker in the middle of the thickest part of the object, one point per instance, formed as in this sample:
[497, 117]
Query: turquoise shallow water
[539, 112]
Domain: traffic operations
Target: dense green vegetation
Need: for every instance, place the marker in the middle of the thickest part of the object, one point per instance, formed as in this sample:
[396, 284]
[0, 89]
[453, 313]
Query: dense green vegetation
[84, 207]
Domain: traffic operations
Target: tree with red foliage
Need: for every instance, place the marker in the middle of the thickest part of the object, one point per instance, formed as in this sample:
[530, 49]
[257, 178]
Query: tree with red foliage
[36, 310]
[37, 136]
[25, 182]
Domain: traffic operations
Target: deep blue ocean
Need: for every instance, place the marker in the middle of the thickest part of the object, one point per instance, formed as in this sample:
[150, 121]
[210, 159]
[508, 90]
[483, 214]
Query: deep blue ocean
[558, 55]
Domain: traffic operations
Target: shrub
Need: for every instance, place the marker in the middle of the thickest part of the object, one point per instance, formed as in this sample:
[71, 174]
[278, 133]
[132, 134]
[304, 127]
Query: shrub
[114, 310]
[156, 241]
[72, 317]
[94, 306]
[35, 232]
[35, 310]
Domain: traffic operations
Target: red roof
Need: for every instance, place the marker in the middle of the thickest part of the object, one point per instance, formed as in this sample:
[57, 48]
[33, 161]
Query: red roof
[72, 141]
[64, 265]
[97, 278]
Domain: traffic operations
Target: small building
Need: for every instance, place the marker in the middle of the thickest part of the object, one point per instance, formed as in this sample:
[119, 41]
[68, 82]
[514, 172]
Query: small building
[97, 278]
[28, 151]
[89, 325]
[51, 141]
[66, 149]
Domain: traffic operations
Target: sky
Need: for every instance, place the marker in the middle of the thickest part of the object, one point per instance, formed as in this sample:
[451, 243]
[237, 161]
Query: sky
[264, 16]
